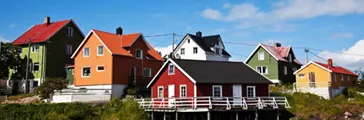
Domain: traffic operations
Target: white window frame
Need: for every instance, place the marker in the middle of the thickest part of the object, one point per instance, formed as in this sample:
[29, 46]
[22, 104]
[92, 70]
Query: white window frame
[334, 77]
[160, 95]
[99, 51]
[68, 49]
[97, 68]
[193, 50]
[261, 69]
[254, 91]
[302, 75]
[174, 69]
[183, 51]
[342, 77]
[69, 31]
[33, 65]
[150, 72]
[141, 53]
[84, 51]
[261, 56]
[82, 71]
[285, 70]
[213, 90]
[180, 91]
[35, 48]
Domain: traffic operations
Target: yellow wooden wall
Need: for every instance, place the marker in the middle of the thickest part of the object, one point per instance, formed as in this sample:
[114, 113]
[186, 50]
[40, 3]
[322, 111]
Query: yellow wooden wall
[322, 76]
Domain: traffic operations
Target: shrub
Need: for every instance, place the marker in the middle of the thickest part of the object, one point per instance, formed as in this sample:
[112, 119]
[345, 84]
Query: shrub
[127, 109]
[46, 89]
[131, 92]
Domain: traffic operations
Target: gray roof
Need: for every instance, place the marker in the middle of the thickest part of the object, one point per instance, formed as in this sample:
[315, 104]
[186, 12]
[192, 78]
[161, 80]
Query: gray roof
[221, 72]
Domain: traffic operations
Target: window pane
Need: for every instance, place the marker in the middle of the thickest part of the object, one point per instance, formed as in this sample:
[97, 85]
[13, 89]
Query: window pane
[86, 71]
[171, 69]
[100, 50]
[100, 68]
[147, 72]
[195, 50]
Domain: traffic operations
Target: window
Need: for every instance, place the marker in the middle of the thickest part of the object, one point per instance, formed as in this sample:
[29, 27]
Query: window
[250, 91]
[312, 79]
[100, 50]
[289, 57]
[20, 50]
[182, 91]
[188, 40]
[285, 70]
[35, 48]
[182, 51]
[139, 54]
[147, 72]
[217, 43]
[100, 68]
[217, 51]
[160, 91]
[260, 55]
[334, 77]
[262, 69]
[68, 49]
[69, 31]
[194, 50]
[86, 71]
[342, 77]
[86, 52]
[294, 69]
[171, 69]
[301, 75]
[348, 77]
[35, 66]
[217, 91]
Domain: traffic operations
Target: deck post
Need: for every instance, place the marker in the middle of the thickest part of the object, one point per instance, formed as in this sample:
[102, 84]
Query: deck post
[176, 115]
[277, 114]
[152, 115]
[237, 116]
[164, 115]
[256, 114]
[208, 115]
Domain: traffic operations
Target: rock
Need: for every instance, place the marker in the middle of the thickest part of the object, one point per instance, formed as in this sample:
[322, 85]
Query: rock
[348, 114]
[33, 99]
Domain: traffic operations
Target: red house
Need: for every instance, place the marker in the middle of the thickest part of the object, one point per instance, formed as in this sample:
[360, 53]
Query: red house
[195, 78]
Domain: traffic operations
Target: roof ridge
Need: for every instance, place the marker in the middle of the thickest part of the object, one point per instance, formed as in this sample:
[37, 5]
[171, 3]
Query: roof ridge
[55, 22]
[114, 33]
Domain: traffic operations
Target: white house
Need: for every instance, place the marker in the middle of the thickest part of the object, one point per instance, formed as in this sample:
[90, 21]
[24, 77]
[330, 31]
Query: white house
[198, 47]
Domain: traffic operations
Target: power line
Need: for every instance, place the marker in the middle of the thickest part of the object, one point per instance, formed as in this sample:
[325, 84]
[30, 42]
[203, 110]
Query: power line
[168, 34]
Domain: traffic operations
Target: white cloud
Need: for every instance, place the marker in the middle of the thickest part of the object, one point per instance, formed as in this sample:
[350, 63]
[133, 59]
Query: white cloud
[250, 16]
[3, 39]
[12, 25]
[352, 58]
[164, 50]
[342, 35]
[188, 27]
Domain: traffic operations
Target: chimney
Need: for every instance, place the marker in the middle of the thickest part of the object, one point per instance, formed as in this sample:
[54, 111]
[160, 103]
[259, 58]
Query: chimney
[329, 62]
[277, 44]
[119, 31]
[199, 34]
[47, 20]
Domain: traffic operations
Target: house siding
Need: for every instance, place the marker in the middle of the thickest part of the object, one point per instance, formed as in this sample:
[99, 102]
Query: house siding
[206, 89]
[96, 78]
[322, 76]
[177, 79]
[268, 61]
[200, 55]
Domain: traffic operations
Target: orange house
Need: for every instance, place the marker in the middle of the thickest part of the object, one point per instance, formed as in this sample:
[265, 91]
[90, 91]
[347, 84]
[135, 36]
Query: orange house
[114, 61]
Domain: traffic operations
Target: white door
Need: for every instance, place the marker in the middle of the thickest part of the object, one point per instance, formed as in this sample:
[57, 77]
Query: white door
[237, 94]
[170, 95]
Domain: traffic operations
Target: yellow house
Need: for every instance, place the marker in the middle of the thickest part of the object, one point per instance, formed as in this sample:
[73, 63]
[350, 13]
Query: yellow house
[325, 80]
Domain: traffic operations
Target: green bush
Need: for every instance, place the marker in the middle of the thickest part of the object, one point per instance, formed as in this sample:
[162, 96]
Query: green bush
[127, 109]
[46, 89]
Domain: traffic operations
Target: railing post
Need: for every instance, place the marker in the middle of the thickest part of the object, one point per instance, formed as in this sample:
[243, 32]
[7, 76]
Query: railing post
[227, 103]
[210, 103]
[275, 105]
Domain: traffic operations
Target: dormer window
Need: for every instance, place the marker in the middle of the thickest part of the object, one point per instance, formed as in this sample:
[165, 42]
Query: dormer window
[171, 69]
[217, 51]
[188, 40]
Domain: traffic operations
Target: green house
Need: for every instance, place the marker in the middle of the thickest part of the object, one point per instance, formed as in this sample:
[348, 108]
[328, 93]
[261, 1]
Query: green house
[277, 62]
[51, 45]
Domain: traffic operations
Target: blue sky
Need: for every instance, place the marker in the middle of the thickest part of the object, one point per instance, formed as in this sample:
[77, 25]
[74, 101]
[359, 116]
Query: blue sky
[331, 25]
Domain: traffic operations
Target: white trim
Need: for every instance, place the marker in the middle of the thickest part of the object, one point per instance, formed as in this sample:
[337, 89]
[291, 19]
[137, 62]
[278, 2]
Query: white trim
[195, 94]
[180, 89]
[311, 62]
[83, 51]
[82, 71]
[97, 68]
[84, 41]
[141, 53]
[285, 70]
[254, 92]
[162, 91]
[219, 86]
[98, 50]
[175, 51]
[259, 73]
[260, 45]
[260, 53]
[176, 65]
[262, 69]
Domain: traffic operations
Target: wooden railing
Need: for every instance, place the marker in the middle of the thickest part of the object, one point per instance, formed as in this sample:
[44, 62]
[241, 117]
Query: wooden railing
[313, 84]
[214, 103]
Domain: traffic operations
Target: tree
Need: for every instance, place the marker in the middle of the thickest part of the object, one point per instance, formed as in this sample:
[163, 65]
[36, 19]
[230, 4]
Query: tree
[46, 89]
[171, 55]
[9, 59]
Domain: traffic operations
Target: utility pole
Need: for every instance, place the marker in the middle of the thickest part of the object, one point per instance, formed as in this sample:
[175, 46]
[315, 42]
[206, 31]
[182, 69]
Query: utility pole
[307, 50]
[27, 67]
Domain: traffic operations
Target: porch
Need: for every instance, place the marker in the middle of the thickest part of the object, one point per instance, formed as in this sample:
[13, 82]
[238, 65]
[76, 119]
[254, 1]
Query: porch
[319, 88]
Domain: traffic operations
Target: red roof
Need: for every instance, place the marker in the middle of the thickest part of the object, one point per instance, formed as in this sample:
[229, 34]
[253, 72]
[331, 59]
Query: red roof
[40, 33]
[279, 52]
[115, 43]
[337, 69]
